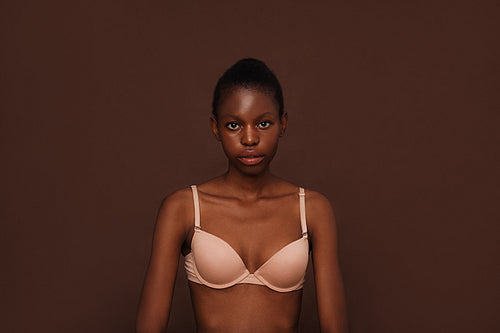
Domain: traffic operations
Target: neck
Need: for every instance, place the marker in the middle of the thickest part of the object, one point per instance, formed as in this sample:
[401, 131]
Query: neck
[247, 186]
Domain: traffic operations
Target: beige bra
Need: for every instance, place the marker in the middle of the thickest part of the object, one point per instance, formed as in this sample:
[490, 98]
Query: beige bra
[214, 263]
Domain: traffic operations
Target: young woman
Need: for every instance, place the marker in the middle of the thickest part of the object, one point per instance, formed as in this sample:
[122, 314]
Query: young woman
[247, 234]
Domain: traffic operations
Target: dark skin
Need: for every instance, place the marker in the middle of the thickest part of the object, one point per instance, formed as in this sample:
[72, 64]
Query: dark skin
[257, 213]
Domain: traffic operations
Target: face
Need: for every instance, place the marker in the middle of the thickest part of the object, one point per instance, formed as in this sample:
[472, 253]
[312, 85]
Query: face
[249, 129]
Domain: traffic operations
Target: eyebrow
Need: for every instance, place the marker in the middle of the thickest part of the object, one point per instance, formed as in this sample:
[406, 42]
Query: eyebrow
[236, 117]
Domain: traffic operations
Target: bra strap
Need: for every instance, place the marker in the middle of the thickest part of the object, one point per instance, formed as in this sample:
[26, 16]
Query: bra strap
[196, 207]
[302, 206]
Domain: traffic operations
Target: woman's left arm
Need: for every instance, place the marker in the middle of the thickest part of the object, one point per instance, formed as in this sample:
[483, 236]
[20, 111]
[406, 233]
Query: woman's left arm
[328, 280]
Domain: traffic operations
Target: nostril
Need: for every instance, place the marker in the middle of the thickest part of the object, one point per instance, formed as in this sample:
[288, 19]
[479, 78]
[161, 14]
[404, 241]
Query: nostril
[249, 140]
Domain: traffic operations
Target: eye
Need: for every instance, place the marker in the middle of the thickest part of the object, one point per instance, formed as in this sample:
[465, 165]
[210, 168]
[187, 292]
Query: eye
[232, 125]
[264, 124]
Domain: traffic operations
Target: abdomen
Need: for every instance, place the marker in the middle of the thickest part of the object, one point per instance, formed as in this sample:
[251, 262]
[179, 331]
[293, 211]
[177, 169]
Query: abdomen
[245, 308]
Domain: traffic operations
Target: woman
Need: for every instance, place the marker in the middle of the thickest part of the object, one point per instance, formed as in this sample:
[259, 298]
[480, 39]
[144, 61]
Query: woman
[245, 235]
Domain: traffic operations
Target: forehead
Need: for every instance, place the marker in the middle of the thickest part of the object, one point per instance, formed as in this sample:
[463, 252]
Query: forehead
[247, 102]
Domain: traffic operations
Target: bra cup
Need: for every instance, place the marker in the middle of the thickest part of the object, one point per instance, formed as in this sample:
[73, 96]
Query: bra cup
[216, 261]
[286, 269]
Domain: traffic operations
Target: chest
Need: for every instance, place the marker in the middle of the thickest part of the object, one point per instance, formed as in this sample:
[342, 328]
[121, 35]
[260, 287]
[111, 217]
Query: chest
[255, 231]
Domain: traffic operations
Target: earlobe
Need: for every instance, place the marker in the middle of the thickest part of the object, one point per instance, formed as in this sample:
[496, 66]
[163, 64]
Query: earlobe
[284, 122]
[215, 130]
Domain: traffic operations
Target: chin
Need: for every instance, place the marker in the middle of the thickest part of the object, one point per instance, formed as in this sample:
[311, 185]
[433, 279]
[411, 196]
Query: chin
[253, 171]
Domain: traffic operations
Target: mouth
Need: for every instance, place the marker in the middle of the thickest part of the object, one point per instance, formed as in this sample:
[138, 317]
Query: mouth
[251, 159]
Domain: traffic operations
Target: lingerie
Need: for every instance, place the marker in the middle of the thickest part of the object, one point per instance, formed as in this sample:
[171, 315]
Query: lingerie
[214, 263]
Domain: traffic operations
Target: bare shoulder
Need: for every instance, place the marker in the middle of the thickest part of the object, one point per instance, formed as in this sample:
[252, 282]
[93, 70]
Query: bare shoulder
[178, 199]
[319, 211]
[317, 200]
[176, 210]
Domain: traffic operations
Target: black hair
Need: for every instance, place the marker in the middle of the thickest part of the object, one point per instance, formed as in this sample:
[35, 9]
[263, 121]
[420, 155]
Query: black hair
[248, 73]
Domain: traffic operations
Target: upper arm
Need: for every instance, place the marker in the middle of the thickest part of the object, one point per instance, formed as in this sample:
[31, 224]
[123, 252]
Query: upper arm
[328, 280]
[169, 235]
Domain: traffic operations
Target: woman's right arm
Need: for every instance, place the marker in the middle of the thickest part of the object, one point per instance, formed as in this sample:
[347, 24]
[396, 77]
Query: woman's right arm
[169, 235]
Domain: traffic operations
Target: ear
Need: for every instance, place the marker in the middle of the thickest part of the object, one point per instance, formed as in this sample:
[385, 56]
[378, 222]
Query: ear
[284, 122]
[215, 130]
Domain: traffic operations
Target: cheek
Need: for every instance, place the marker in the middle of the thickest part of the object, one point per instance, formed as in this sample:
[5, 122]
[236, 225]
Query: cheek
[271, 135]
[228, 136]
[229, 141]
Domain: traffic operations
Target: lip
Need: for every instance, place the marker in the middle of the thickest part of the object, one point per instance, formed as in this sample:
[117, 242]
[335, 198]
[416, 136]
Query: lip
[250, 157]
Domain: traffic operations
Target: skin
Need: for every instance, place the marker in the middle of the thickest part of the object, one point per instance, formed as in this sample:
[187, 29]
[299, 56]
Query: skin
[257, 213]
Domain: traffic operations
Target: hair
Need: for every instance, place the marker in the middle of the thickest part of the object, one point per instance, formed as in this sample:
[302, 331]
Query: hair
[251, 74]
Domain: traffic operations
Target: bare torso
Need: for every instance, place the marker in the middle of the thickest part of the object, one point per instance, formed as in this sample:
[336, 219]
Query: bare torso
[245, 308]
[256, 228]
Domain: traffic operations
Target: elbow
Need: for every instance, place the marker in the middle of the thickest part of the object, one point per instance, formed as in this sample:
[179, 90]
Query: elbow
[144, 329]
[334, 326]
[333, 330]
[146, 326]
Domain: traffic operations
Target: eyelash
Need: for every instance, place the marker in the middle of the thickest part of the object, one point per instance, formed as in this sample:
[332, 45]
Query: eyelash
[233, 129]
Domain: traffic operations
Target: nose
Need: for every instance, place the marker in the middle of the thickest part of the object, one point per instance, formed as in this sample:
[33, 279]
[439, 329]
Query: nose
[249, 136]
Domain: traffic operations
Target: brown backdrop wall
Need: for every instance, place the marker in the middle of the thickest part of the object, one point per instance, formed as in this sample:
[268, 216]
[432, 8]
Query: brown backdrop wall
[393, 115]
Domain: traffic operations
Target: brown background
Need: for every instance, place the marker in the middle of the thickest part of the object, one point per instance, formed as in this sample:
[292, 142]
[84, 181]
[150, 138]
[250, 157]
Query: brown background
[393, 115]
